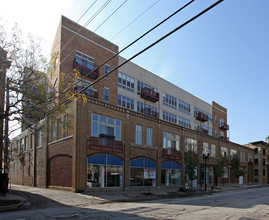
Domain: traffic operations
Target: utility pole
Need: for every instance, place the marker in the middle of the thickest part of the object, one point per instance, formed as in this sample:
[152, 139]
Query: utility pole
[6, 140]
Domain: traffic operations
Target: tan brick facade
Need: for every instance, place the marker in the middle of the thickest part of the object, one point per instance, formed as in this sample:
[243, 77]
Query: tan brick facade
[63, 160]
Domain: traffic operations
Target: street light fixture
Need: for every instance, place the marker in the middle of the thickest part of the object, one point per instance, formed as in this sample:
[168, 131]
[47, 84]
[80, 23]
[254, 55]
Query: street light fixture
[205, 158]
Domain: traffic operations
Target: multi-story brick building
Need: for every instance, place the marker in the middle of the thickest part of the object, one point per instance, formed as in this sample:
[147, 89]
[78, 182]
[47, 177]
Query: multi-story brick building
[135, 130]
[260, 161]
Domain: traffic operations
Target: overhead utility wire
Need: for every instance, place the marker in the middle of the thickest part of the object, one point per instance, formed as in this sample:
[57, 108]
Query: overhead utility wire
[110, 16]
[156, 42]
[79, 80]
[74, 24]
[143, 35]
[88, 22]
[134, 19]
[142, 51]
[80, 42]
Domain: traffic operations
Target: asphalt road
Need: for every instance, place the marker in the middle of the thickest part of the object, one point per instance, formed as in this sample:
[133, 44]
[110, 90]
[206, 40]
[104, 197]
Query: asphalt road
[47, 204]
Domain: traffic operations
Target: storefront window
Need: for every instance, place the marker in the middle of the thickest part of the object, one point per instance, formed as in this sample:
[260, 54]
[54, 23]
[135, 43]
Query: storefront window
[104, 171]
[209, 175]
[143, 172]
[171, 174]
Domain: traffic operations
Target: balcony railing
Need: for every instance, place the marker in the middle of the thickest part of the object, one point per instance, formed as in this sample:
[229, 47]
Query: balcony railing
[105, 143]
[202, 130]
[202, 117]
[149, 112]
[85, 68]
[149, 94]
[224, 126]
[88, 92]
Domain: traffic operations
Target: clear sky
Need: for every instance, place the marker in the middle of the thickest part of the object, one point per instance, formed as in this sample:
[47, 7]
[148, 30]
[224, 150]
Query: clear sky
[221, 56]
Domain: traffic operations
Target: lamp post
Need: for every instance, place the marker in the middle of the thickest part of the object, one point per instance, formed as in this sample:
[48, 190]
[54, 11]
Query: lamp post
[205, 158]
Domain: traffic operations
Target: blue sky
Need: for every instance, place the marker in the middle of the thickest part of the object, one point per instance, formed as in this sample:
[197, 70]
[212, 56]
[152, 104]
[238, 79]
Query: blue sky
[221, 56]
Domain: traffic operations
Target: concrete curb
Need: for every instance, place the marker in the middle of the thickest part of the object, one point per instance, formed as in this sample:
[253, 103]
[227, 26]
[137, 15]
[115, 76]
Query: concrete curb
[14, 206]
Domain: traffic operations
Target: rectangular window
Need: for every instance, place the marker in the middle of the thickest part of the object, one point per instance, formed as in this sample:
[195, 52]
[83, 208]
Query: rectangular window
[18, 147]
[149, 136]
[244, 157]
[138, 134]
[11, 149]
[256, 150]
[205, 147]
[106, 94]
[224, 151]
[169, 101]
[107, 69]
[39, 138]
[22, 145]
[126, 82]
[125, 102]
[250, 157]
[169, 117]
[31, 141]
[84, 60]
[53, 131]
[184, 107]
[184, 122]
[26, 143]
[191, 145]
[213, 150]
[171, 142]
[105, 125]
[256, 161]
[263, 151]
[59, 128]
[65, 130]
[233, 153]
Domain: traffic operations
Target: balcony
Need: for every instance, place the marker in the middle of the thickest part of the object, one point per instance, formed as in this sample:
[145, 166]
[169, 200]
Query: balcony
[224, 126]
[202, 130]
[202, 117]
[105, 143]
[88, 92]
[85, 68]
[171, 153]
[149, 94]
[149, 112]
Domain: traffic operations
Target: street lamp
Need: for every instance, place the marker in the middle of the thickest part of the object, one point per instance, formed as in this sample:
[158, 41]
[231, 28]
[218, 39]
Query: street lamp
[205, 157]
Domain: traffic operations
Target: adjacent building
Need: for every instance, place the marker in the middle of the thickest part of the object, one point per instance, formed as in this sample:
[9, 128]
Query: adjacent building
[260, 161]
[135, 130]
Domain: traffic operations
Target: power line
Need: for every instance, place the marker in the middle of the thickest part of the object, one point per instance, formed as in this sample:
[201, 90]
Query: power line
[134, 20]
[143, 35]
[145, 49]
[93, 32]
[74, 24]
[87, 23]
[110, 16]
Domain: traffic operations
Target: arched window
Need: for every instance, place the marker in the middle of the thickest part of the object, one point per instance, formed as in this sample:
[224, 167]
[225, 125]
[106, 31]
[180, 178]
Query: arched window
[142, 172]
[104, 170]
[170, 173]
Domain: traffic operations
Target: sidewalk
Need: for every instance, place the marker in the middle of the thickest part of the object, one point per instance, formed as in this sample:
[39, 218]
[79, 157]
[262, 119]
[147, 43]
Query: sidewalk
[165, 193]
[103, 197]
